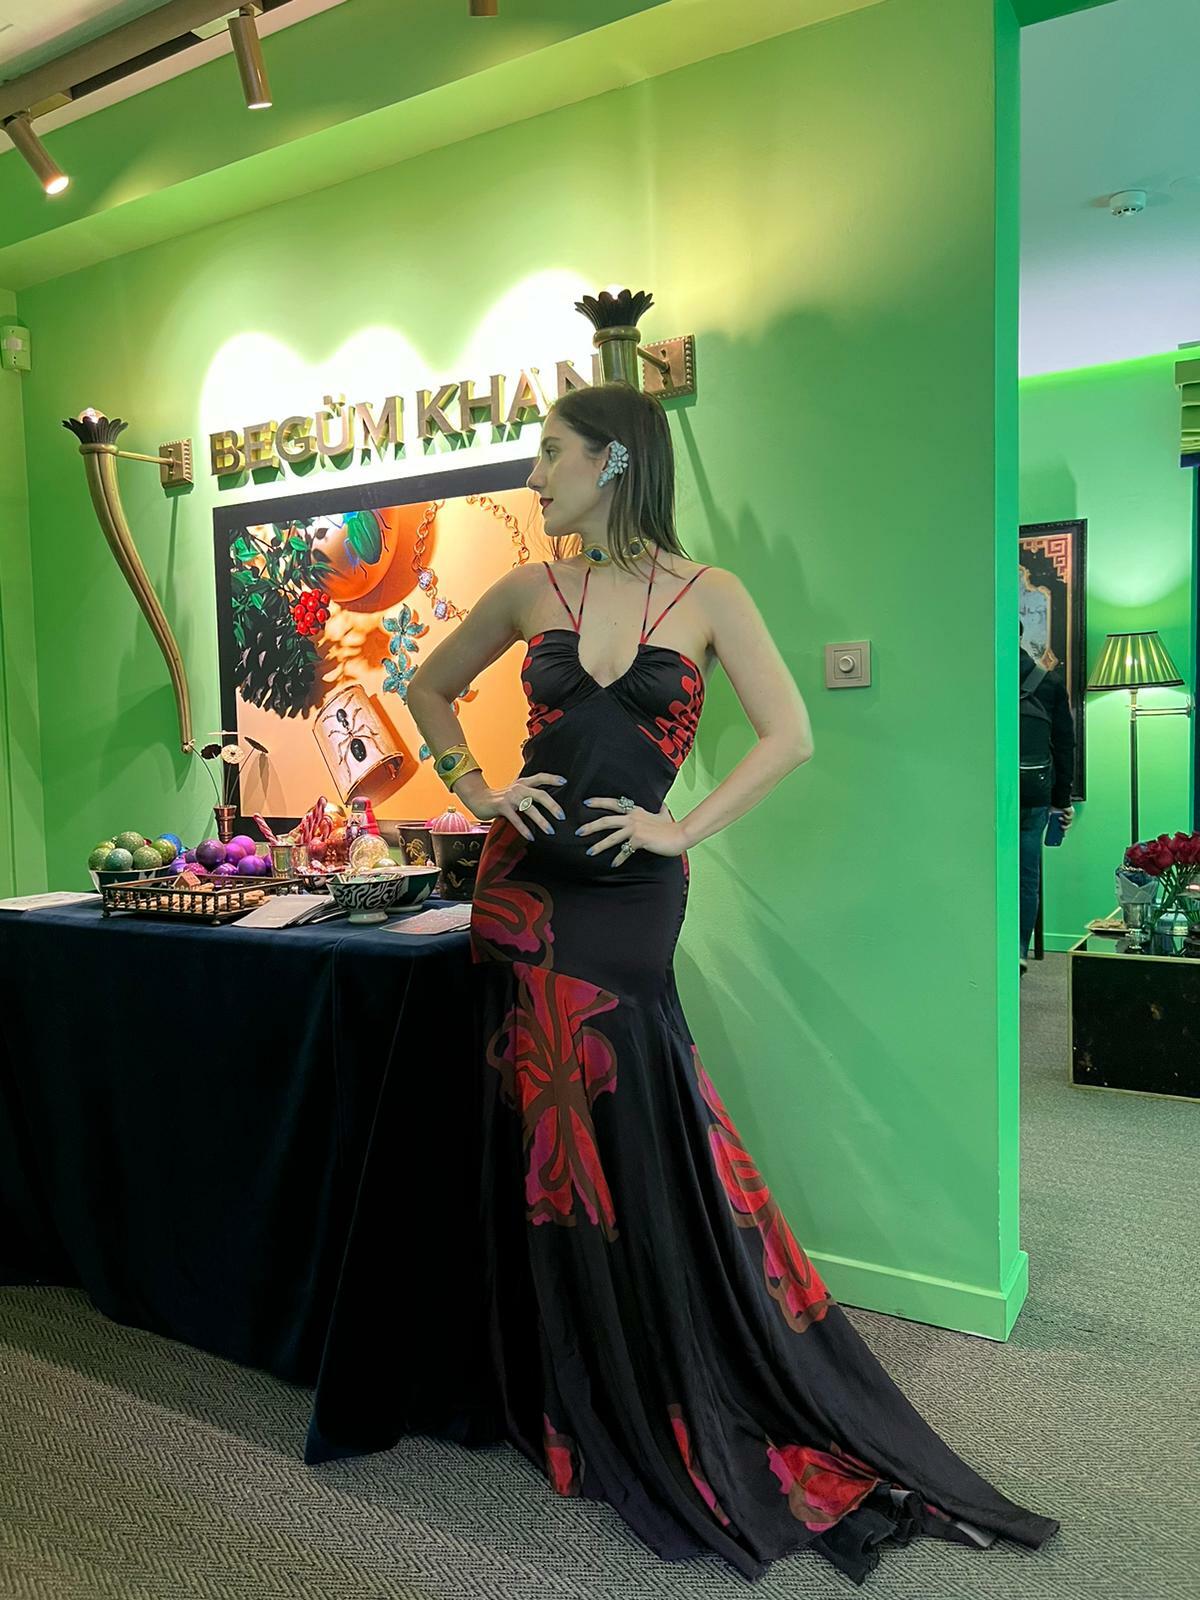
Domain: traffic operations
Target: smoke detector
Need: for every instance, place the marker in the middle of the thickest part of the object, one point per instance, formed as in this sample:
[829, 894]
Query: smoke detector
[1127, 202]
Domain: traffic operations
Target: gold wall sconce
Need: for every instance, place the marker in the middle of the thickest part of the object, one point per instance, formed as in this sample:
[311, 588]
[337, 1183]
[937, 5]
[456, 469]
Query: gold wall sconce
[667, 368]
[97, 435]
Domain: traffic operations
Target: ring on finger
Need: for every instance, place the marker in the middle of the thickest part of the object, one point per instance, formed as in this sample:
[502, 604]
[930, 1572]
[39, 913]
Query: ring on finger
[524, 805]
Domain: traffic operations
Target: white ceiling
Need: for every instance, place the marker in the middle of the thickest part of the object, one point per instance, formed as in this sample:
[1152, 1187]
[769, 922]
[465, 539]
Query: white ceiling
[33, 31]
[1110, 100]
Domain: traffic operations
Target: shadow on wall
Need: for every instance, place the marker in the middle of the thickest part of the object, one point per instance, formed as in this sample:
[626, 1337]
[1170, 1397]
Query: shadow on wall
[861, 1080]
[726, 996]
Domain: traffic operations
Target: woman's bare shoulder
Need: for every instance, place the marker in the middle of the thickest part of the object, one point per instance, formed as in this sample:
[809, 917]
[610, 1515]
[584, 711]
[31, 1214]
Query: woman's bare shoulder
[684, 567]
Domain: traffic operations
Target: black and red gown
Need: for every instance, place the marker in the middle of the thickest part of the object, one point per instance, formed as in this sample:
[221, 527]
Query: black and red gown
[657, 1337]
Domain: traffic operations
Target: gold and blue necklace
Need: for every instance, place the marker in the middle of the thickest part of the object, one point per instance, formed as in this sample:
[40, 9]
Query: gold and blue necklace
[600, 557]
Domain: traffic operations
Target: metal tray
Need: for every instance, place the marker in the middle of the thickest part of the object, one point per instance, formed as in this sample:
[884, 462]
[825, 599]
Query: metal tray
[154, 898]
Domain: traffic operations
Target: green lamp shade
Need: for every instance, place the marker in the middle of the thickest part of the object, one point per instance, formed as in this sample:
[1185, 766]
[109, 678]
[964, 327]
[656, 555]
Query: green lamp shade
[1134, 661]
[1187, 376]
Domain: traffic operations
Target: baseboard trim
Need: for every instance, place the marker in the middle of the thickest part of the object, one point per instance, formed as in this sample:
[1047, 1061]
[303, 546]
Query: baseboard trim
[965, 1307]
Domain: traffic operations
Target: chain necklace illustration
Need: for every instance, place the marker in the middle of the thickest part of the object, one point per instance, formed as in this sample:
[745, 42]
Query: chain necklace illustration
[427, 579]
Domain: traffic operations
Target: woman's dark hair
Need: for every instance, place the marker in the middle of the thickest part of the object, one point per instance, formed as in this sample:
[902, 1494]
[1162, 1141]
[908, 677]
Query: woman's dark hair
[643, 502]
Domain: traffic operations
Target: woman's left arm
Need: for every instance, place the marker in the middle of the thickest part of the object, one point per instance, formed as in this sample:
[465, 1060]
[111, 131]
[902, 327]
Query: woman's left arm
[773, 705]
[740, 641]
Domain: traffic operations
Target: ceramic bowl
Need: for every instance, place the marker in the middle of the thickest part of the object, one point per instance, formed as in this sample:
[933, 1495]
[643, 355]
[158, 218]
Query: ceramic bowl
[366, 899]
[412, 885]
[370, 898]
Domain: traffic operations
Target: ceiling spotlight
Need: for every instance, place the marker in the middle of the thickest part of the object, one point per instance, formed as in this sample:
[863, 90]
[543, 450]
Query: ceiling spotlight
[51, 177]
[248, 50]
[485, 8]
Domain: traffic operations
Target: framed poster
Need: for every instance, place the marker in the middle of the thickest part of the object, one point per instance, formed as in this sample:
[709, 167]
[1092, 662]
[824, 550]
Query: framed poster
[1052, 605]
[325, 603]
[1195, 738]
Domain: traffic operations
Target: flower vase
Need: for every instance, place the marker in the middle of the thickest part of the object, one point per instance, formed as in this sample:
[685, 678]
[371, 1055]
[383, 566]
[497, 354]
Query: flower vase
[225, 818]
[1170, 929]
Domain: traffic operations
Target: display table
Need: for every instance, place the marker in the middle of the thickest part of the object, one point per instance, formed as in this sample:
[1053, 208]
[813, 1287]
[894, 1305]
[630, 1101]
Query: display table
[185, 1113]
[1135, 1020]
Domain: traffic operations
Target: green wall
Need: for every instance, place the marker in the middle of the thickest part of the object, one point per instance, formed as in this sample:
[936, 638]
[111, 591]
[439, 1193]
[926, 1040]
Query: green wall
[846, 965]
[1103, 443]
[22, 847]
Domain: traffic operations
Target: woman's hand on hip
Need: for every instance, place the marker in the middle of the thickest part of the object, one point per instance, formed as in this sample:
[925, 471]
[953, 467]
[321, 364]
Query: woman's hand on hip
[524, 801]
[654, 831]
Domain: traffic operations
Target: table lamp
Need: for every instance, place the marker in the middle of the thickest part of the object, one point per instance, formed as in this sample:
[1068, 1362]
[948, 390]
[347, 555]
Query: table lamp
[1136, 661]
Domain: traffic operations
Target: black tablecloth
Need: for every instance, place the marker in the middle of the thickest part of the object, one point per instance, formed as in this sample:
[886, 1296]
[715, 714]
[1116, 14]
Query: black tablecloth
[407, 1344]
[184, 1117]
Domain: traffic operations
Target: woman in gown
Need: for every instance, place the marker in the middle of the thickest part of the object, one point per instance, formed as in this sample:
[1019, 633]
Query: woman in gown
[657, 1336]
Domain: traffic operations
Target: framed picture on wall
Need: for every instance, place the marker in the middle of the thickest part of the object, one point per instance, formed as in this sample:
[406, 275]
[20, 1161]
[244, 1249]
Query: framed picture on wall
[1052, 605]
[327, 602]
[1195, 739]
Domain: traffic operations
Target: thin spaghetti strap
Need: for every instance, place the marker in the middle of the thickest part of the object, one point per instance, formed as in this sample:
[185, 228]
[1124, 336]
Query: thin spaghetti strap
[649, 591]
[583, 598]
[562, 597]
[679, 596]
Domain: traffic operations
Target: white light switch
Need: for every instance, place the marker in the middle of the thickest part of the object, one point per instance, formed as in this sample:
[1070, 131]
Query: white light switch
[848, 666]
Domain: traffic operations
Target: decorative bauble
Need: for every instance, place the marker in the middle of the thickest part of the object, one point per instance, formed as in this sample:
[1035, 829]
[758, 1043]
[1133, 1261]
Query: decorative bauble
[367, 851]
[167, 848]
[175, 840]
[129, 841]
[235, 850]
[449, 821]
[337, 845]
[248, 845]
[118, 860]
[211, 853]
[100, 855]
[254, 866]
[147, 859]
[227, 869]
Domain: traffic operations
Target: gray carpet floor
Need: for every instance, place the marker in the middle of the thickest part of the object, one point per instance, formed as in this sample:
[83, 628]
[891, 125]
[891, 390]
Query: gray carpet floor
[133, 1467]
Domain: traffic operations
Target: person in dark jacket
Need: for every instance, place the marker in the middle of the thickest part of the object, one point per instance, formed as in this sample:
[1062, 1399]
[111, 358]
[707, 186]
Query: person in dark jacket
[1047, 770]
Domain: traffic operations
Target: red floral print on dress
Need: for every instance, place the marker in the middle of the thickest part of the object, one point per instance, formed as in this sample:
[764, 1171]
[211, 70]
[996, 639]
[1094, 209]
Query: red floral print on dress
[552, 1066]
[821, 1485]
[684, 1440]
[562, 1460]
[506, 913]
[677, 730]
[540, 716]
[791, 1278]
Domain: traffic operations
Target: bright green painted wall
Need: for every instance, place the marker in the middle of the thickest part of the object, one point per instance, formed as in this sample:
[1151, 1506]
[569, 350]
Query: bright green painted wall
[22, 846]
[846, 964]
[1103, 443]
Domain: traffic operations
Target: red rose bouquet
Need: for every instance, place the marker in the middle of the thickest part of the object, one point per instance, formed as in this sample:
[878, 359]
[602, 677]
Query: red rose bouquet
[1175, 861]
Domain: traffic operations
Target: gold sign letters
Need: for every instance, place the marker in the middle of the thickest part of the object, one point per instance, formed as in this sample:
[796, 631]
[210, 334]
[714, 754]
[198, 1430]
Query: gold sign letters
[454, 411]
